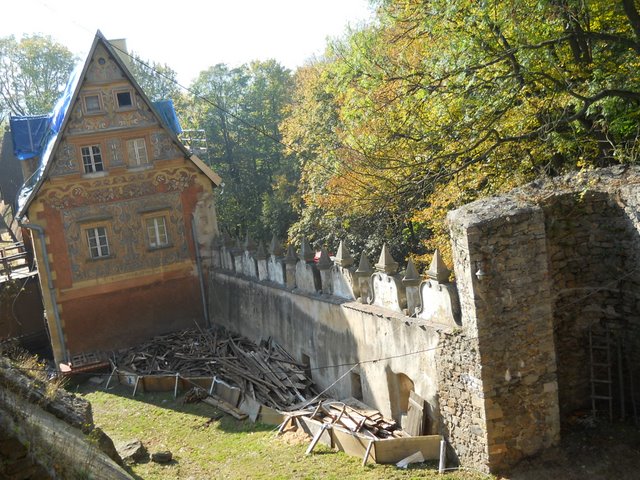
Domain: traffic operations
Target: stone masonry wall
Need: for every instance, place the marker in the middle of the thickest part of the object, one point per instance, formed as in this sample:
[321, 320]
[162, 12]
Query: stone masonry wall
[590, 244]
[461, 398]
[535, 268]
[500, 264]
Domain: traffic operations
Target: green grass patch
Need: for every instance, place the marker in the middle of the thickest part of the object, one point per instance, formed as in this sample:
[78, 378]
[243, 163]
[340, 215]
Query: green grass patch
[205, 448]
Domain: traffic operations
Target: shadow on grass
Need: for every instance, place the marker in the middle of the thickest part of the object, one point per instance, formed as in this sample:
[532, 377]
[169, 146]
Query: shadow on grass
[211, 416]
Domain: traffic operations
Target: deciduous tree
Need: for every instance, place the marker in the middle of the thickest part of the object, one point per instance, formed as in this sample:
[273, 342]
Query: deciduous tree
[240, 110]
[33, 72]
[439, 102]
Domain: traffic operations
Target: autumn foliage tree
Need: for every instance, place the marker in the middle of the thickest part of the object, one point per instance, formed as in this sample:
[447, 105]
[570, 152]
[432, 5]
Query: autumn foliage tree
[439, 102]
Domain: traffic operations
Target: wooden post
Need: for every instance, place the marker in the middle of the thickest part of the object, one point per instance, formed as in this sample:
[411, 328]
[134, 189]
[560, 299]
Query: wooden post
[443, 456]
[316, 439]
[175, 389]
[113, 370]
[366, 454]
[135, 387]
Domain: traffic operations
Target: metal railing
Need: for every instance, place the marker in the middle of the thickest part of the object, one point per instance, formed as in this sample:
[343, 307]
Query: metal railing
[13, 258]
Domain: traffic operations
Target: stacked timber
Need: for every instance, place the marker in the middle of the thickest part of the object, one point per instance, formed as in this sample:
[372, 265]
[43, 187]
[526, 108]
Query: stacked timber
[357, 419]
[265, 372]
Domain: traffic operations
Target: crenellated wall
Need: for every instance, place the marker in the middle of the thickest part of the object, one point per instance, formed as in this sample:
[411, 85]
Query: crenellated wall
[371, 333]
[502, 354]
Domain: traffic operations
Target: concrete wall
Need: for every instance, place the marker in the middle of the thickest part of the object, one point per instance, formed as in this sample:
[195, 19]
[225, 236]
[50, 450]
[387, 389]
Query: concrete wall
[361, 349]
[334, 334]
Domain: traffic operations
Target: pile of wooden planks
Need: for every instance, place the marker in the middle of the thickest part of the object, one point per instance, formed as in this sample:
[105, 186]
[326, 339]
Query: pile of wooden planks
[357, 419]
[265, 372]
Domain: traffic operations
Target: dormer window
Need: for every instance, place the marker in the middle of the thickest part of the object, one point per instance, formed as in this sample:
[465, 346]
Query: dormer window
[124, 99]
[92, 103]
[92, 159]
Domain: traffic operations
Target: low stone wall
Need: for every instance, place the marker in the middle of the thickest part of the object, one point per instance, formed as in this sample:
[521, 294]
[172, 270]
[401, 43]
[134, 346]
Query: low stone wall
[49, 434]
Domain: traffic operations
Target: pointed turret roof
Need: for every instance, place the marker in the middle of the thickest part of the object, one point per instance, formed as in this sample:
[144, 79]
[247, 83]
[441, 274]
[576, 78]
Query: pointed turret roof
[438, 271]
[324, 262]
[343, 256]
[364, 267]
[261, 253]
[275, 248]
[386, 263]
[411, 276]
[306, 253]
[291, 258]
[249, 244]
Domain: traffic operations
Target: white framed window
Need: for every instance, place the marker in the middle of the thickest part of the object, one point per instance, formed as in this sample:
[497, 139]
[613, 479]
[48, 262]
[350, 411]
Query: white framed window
[124, 99]
[98, 242]
[92, 159]
[157, 231]
[92, 103]
[137, 150]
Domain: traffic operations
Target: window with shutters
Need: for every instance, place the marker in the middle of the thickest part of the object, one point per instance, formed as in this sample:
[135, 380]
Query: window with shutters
[137, 151]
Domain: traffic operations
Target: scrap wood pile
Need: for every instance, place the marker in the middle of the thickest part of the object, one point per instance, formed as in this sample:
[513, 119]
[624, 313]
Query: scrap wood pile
[356, 418]
[265, 372]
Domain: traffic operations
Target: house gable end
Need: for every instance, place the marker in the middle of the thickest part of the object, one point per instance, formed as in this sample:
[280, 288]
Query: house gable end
[105, 97]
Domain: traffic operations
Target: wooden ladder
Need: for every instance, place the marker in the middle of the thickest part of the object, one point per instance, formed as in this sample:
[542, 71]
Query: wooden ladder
[600, 369]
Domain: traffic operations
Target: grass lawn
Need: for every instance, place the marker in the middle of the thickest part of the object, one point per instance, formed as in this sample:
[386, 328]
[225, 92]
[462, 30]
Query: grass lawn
[204, 448]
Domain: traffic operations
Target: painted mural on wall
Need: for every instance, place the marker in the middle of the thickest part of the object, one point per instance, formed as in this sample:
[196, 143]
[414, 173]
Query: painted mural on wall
[163, 147]
[103, 68]
[129, 250]
[119, 187]
[141, 116]
[66, 160]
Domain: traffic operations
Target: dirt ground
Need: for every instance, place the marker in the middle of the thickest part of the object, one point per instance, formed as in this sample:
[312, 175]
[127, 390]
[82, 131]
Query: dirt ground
[587, 451]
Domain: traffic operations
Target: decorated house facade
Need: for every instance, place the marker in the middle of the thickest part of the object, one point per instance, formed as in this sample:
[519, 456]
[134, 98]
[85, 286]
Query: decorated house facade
[119, 211]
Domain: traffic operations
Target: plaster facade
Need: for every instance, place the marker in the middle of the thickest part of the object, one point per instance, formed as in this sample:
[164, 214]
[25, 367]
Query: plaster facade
[117, 205]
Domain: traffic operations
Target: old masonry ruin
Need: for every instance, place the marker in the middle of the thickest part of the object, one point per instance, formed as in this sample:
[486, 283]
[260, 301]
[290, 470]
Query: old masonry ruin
[503, 355]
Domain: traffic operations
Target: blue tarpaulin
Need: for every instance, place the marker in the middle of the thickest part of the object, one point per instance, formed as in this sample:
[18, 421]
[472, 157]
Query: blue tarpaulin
[53, 124]
[168, 113]
[42, 144]
[28, 135]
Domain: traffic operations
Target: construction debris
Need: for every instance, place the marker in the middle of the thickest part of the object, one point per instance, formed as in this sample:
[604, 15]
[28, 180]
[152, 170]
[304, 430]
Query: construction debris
[195, 395]
[365, 421]
[226, 407]
[266, 372]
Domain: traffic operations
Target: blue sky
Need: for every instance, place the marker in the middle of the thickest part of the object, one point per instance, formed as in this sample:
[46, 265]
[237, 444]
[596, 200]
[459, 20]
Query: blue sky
[192, 35]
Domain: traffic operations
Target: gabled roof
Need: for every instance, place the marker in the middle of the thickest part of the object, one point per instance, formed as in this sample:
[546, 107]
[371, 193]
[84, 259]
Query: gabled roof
[61, 114]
